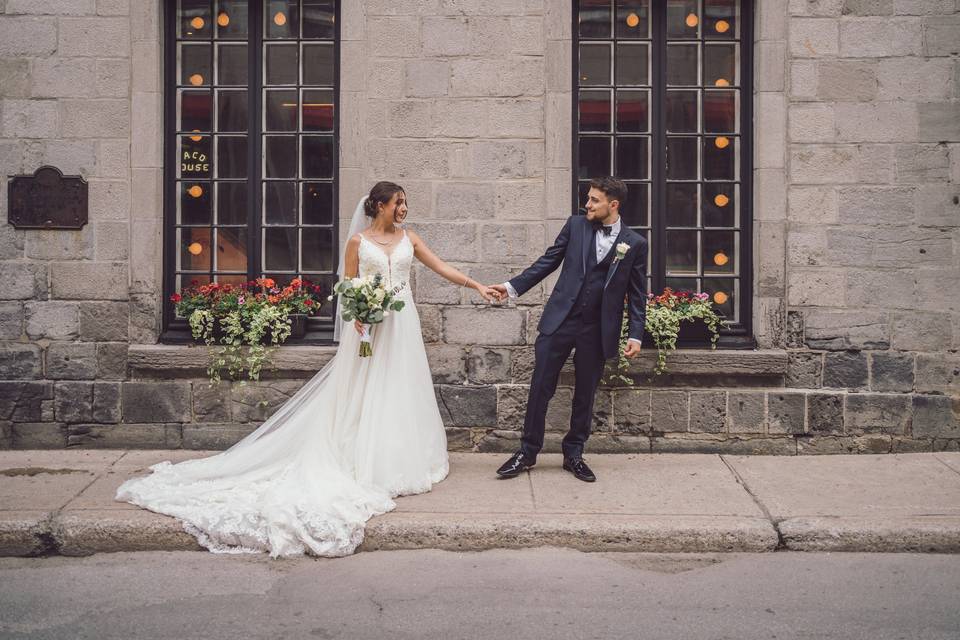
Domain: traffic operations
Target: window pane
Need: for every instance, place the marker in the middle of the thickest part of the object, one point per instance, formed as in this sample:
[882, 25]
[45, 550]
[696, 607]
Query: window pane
[194, 203]
[723, 292]
[682, 284]
[720, 113]
[232, 203]
[196, 110]
[318, 65]
[681, 111]
[317, 157]
[683, 19]
[720, 158]
[194, 19]
[195, 64]
[280, 249]
[281, 110]
[317, 203]
[682, 252]
[595, 17]
[719, 252]
[635, 210]
[633, 111]
[721, 19]
[594, 110]
[720, 65]
[231, 249]
[682, 62]
[280, 156]
[280, 203]
[632, 158]
[682, 158]
[282, 19]
[681, 206]
[231, 110]
[194, 249]
[232, 156]
[282, 65]
[594, 157]
[594, 64]
[719, 204]
[195, 157]
[632, 64]
[633, 19]
[317, 249]
[232, 64]
[318, 19]
[232, 19]
[318, 110]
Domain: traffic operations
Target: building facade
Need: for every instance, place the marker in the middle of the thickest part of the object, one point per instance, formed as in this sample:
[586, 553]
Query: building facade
[797, 160]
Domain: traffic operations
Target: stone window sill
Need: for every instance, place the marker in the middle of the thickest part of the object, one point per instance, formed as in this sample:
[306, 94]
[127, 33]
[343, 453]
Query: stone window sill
[302, 361]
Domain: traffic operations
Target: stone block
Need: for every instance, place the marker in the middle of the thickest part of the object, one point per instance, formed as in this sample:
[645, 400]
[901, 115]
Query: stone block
[156, 402]
[104, 321]
[938, 121]
[520, 200]
[771, 129]
[786, 412]
[112, 239]
[825, 413]
[506, 159]
[820, 8]
[412, 158]
[38, 435]
[804, 369]
[717, 444]
[816, 287]
[147, 119]
[845, 370]
[522, 76]
[124, 436]
[770, 71]
[770, 258]
[214, 437]
[52, 320]
[803, 79]
[20, 361]
[921, 163]
[446, 35]
[921, 331]
[113, 7]
[938, 373]
[63, 78]
[430, 323]
[941, 36]
[409, 118]
[94, 118]
[464, 200]
[847, 80]
[882, 289]
[813, 37]
[28, 36]
[394, 36]
[891, 371]
[841, 164]
[11, 320]
[71, 361]
[52, 7]
[879, 37]
[746, 412]
[30, 119]
[670, 411]
[708, 411]
[15, 77]
[110, 200]
[73, 402]
[875, 412]
[59, 244]
[447, 363]
[257, 401]
[470, 77]
[910, 445]
[459, 118]
[523, 362]
[106, 402]
[113, 78]
[875, 205]
[876, 122]
[22, 401]
[427, 78]
[939, 204]
[516, 118]
[144, 318]
[914, 79]
[511, 243]
[488, 326]
[511, 406]
[488, 366]
[867, 7]
[809, 205]
[812, 123]
[96, 37]
[469, 406]
[632, 411]
[936, 416]
[89, 280]
[211, 401]
[112, 360]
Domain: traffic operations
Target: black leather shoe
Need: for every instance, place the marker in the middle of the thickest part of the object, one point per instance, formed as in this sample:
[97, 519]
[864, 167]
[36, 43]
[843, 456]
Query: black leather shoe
[518, 462]
[579, 469]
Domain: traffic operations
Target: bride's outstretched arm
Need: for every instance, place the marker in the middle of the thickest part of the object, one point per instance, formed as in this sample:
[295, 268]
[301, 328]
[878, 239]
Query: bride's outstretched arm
[434, 263]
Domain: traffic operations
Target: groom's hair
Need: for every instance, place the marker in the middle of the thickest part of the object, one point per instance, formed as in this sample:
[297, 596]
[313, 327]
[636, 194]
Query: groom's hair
[613, 188]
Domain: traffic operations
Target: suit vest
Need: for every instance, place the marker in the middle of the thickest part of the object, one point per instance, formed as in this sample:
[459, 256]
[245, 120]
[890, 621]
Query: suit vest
[590, 298]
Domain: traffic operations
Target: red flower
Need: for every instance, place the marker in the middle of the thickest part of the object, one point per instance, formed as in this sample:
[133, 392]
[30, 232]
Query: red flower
[175, 297]
[308, 302]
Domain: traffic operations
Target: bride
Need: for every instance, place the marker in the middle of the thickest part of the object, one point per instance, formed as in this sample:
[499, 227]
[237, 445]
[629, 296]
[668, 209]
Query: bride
[359, 433]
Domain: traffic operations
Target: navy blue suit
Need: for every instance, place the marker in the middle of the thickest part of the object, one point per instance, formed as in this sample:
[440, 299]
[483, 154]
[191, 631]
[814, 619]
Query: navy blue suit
[582, 315]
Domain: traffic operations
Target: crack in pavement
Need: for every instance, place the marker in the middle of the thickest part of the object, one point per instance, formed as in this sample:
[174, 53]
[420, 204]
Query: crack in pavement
[781, 543]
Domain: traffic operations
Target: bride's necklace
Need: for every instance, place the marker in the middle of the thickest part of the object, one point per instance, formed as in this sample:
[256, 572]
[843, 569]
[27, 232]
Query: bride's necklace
[382, 243]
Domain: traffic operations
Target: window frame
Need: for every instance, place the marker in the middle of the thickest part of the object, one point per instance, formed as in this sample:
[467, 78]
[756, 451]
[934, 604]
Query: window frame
[733, 336]
[176, 330]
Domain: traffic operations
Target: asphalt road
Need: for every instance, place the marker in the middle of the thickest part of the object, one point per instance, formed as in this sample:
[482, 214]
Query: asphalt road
[540, 593]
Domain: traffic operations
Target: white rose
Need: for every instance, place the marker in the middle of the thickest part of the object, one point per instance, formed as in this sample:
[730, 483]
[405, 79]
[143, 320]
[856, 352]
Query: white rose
[356, 282]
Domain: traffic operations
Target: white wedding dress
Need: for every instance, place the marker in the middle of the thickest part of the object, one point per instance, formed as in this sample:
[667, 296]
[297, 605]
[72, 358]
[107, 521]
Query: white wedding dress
[359, 433]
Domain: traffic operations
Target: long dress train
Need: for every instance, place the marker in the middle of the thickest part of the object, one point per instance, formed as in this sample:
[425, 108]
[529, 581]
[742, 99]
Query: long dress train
[359, 433]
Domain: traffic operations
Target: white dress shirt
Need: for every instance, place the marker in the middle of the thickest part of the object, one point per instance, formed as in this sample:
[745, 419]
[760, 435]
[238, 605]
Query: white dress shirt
[604, 242]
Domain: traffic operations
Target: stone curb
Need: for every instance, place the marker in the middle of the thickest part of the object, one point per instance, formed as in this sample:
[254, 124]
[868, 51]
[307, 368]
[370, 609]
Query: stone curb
[926, 534]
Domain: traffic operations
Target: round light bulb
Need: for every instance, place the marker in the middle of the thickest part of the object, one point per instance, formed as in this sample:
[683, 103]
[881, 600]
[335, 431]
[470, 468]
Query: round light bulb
[196, 138]
[722, 142]
[195, 248]
[722, 26]
[722, 82]
[280, 19]
[196, 191]
[720, 297]
[692, 20]
[720, 259]
[721, 200]
[223, 19]
[196, 79]
[197, 23]
[633, 20]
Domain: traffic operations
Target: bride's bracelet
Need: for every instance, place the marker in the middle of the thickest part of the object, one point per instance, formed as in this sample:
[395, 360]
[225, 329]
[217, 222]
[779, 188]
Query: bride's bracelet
[466, 280]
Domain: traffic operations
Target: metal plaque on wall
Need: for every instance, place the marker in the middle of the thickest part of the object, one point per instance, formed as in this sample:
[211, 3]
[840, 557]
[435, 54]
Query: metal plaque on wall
[47, 200]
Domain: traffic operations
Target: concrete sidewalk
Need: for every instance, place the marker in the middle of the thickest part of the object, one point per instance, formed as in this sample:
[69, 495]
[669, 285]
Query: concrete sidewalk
[61, 502]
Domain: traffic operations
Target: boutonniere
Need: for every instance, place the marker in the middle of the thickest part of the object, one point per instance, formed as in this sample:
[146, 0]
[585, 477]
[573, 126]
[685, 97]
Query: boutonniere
[622, 249]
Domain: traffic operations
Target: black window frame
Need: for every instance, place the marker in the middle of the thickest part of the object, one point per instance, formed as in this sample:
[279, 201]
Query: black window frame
[175, 330]
[732, 336]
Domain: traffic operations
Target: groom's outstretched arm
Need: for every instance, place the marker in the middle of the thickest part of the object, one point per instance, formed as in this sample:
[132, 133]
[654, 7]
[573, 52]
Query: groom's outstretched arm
[543, 266]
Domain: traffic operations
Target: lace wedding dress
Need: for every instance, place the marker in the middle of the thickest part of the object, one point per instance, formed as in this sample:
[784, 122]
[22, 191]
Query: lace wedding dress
[359, 433]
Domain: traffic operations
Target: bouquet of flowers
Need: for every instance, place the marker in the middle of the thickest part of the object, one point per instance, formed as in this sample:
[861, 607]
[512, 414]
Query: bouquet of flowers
[368, 300]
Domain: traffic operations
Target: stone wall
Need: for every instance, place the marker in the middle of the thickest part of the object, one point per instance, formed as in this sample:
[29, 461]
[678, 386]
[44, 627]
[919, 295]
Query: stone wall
[467, 104]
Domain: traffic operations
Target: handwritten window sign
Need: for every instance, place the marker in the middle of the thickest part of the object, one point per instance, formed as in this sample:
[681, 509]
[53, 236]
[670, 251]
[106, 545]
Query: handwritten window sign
[195, 157]
[47, 200]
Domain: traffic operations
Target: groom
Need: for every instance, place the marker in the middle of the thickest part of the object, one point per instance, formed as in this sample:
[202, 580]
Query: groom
[603, 262]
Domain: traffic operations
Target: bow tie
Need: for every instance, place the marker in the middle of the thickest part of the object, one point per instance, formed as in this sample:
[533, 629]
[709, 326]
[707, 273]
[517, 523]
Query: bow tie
[605, 230]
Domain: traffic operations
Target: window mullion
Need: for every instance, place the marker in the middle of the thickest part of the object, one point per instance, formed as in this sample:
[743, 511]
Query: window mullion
[658, 234]
[255, 141]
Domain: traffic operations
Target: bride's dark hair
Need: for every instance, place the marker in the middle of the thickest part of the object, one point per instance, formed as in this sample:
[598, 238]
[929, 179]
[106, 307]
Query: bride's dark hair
[381, 192]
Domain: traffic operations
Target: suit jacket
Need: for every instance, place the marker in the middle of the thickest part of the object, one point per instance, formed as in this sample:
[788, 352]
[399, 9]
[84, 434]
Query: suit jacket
[625, 278]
